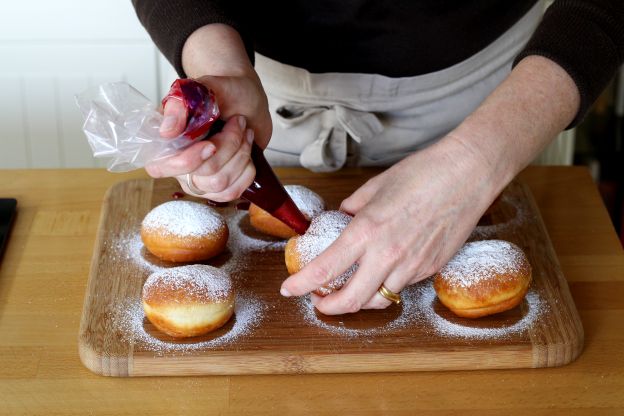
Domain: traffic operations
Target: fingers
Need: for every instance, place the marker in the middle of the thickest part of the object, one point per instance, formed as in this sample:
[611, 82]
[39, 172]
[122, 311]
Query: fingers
[221, 166]
[234, 190]
[228, 143]
[213, 153]
[332, 262]
[382, 259]
[359, 289]
[362, 289]
[362, 196]
[243, 96]
[394, 282]
[414, 267]
[181, 163]
[174, 120]
[227, 174]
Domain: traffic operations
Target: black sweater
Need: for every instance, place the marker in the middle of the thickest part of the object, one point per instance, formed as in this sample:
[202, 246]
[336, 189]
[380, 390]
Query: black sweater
[400, 38]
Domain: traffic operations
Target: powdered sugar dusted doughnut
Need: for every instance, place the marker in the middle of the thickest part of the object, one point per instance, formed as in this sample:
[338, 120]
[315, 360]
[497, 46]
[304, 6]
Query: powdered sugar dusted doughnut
[188, 301]
[308, 202]
[483, 278]
[324, 230]
[184, 231]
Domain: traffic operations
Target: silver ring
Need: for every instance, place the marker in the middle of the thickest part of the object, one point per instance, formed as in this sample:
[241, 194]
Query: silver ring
[191, 186]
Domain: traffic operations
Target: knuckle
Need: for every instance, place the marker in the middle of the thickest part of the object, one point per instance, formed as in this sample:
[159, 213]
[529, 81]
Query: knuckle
[367, 230]
[153, 170]
[392, 254]
[181, 163]
[319, 275]
[351, 304]
[413, 266]
[348, 204]
[419, 268]
[250, 172]
[430, 271]
[245, 152]
[218, 183]
[209, 168]
[412, 271]
[231, 194]
[234, 140]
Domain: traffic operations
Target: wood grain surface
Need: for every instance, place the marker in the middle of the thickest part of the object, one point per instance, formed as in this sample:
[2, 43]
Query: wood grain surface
[284, 340]
[43, 278]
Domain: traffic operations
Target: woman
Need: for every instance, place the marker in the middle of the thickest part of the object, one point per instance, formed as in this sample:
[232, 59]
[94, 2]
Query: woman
[424, 87]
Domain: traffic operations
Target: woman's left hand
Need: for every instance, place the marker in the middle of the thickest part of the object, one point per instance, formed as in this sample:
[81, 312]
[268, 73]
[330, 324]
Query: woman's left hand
[411, 219]
[408, 222]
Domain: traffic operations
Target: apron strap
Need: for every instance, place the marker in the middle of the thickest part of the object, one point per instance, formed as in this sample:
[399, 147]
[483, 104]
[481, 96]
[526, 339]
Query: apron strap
[328, 152]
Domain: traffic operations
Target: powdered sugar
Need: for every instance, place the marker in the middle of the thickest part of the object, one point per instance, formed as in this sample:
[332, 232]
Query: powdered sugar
[424, 296]
[129, 320]
[130, 246]
[309, 202]
[418, 312]
[243, 238]
[417, 308]
[337, 283]
[520, 215]
[324, 230]
[198, 282]
[183, 218]
[407, 317]
[482, 260]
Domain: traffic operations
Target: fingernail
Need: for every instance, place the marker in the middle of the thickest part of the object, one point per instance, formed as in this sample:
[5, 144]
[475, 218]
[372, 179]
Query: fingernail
[207, 151]
[284, 292]
[168, 123]
[249, 135]
[242, 122]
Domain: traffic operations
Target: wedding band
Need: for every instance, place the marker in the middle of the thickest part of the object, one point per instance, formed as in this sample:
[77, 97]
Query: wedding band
[388, 294]
[191, 186]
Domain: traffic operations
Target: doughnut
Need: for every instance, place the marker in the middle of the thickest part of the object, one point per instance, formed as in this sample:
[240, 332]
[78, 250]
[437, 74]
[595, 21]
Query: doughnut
[188, 301]
[184, 231]
[483, 278]
[302, 249]
[305, 199]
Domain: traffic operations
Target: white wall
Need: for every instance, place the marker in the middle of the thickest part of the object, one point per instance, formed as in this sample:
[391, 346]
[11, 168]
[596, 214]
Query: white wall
[51, 50]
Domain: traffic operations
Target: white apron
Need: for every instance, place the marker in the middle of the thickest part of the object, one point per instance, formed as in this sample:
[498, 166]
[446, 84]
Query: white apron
[329, 120]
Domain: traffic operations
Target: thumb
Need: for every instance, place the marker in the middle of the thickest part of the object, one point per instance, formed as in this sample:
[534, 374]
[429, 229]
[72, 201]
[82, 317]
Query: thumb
[224, 88]
[360, 198]
[174, 120]
[242, 96]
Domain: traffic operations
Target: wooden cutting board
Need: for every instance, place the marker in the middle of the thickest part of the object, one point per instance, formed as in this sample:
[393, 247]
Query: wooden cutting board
[272, 334]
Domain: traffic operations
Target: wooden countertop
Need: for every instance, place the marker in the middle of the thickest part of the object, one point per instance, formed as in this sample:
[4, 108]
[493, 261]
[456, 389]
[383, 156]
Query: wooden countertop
[42, 285]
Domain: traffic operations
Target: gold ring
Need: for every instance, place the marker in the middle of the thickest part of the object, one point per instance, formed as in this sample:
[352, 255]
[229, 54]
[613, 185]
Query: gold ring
[388, 294]
[191, 186]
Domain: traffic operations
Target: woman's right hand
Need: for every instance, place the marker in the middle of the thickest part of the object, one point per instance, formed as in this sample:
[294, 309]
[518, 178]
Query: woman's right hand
[240, 95]
[221, 166]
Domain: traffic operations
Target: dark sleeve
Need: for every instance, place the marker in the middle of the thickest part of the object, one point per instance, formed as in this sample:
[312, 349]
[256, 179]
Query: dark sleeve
[586, 38]
[171, 22]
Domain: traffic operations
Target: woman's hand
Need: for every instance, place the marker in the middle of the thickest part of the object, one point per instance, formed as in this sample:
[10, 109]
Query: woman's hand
[408, 222]
[221, 167]
[412, 218]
